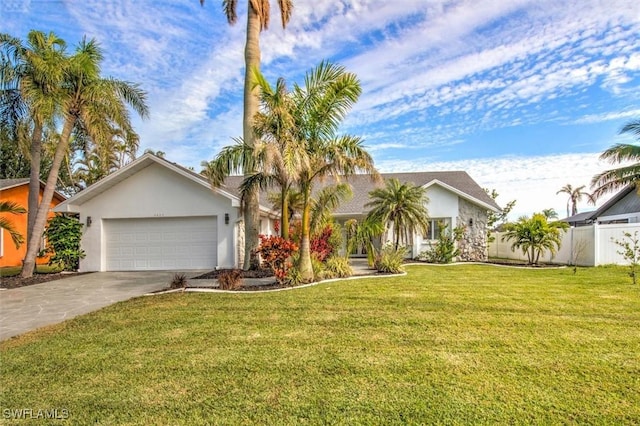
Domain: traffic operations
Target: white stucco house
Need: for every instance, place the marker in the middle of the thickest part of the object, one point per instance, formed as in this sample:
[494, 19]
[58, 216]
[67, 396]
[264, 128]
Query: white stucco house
[156, 215]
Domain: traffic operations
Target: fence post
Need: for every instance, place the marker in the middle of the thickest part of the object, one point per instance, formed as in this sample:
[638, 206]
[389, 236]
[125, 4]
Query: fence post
[596, 244]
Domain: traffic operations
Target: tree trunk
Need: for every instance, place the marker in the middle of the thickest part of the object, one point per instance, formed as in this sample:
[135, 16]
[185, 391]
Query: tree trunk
[43, 209]
[305, 266]
[34, 182]
[284, 214]
[251, 103]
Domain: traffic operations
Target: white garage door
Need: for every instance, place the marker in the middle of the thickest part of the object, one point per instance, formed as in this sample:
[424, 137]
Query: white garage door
[161, 243]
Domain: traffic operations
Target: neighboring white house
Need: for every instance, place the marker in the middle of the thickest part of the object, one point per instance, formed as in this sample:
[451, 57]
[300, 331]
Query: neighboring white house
[623, 207]
[156, 215]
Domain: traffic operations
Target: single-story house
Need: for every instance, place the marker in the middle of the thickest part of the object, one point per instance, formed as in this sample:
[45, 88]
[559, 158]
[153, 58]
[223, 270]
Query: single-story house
[623, 207]
[154, 214]
[17, 191]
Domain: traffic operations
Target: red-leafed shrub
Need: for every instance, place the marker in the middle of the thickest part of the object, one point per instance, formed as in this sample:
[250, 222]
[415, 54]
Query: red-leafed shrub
[321, 246]
[275, 252]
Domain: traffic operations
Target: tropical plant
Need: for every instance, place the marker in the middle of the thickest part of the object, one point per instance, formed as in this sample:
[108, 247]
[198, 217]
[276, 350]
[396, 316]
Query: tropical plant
[31, 76]
[179, 281]
[276, 253]
[258, 15]
[230, 279]
[63, 242]
[445, 248]
[403, 207]
[614, 179]
[338, 267]
[575, 196]
[630, 250]
[390, 259]
[550, 213]
[96, 103]
[495, 220]
[320, 106]
[364, 234]
[535, 235]
[11, 208]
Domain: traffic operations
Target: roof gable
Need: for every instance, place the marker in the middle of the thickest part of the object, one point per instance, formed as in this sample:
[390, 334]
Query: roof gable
[6, 184]
[131, 169]
[458, 182]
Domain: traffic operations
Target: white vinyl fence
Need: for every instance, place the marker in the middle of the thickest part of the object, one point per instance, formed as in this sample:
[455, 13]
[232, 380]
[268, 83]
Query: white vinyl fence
[585, 246]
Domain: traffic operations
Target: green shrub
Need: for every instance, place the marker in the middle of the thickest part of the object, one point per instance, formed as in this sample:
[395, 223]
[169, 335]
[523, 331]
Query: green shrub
[230, 279]
[389, 259]
[444, 250]
[63, 235]
[338, 267]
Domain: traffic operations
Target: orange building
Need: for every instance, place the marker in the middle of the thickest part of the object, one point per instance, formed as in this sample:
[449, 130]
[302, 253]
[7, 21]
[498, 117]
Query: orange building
[17, 190]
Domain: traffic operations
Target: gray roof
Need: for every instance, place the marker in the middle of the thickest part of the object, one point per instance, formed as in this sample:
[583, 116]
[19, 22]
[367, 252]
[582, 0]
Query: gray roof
[626, 201]
[363, 184]
[10, 183]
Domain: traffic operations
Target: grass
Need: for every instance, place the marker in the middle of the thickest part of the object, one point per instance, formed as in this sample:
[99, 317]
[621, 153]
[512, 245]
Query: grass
[444, 344]
[12, 271]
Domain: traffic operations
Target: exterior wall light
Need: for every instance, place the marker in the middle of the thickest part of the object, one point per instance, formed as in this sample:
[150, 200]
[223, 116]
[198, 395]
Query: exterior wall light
[226, 218]
[89, 221]
[471, 223]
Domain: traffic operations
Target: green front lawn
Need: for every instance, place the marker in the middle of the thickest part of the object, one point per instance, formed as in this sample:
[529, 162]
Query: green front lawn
[453, 344]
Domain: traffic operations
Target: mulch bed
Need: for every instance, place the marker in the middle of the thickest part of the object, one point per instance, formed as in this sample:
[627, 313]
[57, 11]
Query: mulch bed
[16, 281]
[258, 273]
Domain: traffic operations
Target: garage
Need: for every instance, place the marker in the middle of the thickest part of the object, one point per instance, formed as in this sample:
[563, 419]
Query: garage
[160, 243]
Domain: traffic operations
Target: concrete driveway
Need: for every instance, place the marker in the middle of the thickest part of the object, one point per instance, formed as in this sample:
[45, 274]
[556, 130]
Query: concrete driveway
[27, 308]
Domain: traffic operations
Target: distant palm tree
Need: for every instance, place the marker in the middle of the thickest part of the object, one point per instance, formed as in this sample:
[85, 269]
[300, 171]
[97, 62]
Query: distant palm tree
[575, 196]
[258, 15]
[11, 208]
[550, 213]
[403, 206]
[614, 179]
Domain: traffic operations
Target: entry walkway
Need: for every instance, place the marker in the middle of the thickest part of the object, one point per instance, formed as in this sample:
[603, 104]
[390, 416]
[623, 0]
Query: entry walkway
[27, 308]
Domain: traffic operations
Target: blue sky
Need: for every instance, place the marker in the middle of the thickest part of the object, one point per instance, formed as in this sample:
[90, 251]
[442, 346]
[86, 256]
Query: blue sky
[524, 95]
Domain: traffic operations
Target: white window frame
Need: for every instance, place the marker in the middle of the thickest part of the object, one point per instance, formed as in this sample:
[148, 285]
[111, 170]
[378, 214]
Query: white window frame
[433, 233]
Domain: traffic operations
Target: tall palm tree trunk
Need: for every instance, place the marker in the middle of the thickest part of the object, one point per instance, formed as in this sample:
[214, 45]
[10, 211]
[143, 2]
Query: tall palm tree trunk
[34, 180]
[41, 218]
[284, 212]
[305, 266]
[251, 103]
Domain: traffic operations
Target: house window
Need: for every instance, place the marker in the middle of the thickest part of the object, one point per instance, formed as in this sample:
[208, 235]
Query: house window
[436, 225]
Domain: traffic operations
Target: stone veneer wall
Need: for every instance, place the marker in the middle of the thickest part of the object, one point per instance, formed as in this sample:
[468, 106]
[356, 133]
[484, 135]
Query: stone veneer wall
[473, 247]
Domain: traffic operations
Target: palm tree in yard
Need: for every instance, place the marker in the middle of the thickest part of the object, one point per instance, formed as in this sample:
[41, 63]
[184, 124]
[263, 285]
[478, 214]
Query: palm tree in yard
[328, 94]
[575, 196]
[93, 102]
[535, 235]
[30, 78]
[401, 206]
[614, 179]
[258, 15]
[11, 208]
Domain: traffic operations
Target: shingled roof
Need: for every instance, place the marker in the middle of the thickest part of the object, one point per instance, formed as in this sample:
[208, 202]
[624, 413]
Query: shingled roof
[458, 181]
[10, 183]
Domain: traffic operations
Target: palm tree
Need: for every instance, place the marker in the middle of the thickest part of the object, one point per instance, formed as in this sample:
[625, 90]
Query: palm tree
[575, 196]
[403, 206]
[535, 236]
[11, 208]
[320, 106]
[364, 234]
[614, 179]
[258, 15]
[30, 78]
[96, 103]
